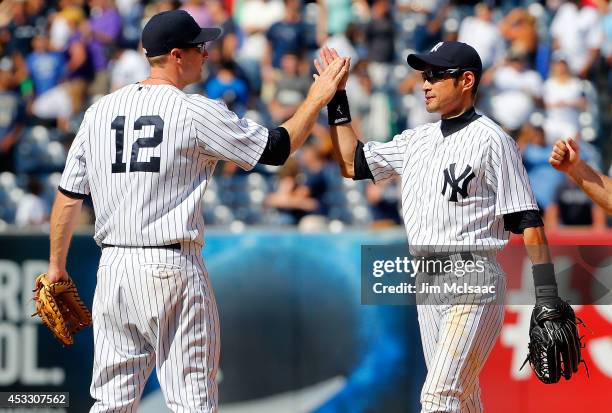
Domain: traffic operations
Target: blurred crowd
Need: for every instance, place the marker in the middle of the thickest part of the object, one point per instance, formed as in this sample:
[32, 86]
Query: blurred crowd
[548, 75]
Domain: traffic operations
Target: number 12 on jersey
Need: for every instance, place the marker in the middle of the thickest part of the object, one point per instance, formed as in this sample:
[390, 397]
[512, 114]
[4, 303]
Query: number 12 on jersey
[152, 165]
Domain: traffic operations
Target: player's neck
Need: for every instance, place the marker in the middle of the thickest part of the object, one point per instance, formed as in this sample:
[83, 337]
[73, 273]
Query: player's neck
[460, 110]
[158, 77]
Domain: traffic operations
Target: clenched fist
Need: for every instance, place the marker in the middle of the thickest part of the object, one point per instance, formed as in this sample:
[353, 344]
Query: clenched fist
[565, 155]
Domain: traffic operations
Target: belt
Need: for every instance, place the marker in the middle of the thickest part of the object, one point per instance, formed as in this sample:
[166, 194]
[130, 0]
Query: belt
[175, 246]
[434, 265]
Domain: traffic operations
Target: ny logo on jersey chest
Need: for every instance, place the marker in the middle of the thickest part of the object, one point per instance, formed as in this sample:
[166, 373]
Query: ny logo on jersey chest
[455, 182]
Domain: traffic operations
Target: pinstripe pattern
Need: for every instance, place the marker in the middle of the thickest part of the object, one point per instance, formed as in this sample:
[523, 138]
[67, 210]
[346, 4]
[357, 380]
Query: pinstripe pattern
[154, 308]
[445, 215]
[146, 154]
[457, 340]
[145, 208]
[419, 156]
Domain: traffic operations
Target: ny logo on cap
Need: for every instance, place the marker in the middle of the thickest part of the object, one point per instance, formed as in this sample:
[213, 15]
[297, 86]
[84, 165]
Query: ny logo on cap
[436, 47]
[449, 180]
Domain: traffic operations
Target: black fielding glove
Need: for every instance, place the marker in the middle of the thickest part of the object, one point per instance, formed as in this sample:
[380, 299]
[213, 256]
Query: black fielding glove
[554, 343]
[338, 111]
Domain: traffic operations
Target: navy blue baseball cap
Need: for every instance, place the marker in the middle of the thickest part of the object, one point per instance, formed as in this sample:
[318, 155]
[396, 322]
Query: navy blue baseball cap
[447, 55]
[175, 28]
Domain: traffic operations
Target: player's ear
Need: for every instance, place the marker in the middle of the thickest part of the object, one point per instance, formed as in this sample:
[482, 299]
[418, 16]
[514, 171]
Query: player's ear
[469, 80]
[176, 53]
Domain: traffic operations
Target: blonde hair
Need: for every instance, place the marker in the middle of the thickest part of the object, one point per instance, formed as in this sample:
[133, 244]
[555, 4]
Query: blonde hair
[158, 61]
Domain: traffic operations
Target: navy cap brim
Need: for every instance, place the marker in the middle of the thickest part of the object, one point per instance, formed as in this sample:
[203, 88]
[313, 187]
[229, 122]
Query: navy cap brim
[206, 35]
[423, 61]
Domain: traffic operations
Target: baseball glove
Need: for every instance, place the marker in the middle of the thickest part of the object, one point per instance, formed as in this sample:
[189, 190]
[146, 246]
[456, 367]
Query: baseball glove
[60, 308]
[554, 343]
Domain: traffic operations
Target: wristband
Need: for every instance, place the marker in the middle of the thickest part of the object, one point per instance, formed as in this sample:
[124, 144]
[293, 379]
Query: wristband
[544, 281]
[338, 112]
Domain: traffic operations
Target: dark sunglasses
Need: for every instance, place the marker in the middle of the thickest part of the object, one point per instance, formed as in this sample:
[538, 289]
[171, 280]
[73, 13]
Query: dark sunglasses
[435, 75]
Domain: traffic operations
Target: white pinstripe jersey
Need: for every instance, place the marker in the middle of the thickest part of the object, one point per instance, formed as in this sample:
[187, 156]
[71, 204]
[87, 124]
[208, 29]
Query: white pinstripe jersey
[455, 189]
[146, 154]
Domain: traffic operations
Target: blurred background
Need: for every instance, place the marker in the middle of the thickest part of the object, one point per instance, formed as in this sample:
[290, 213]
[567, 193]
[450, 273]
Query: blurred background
[312, 347]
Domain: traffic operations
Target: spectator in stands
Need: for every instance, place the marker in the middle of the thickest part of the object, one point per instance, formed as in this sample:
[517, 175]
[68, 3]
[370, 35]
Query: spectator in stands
[12, 115]
[291, 86]
[384, 204]
[129, 66]
[60, 27]
[571, 207]
[80, 65]
[563, 99]
[370, 108]
[359, 87]
[543, 177]
[514, 86]
[380, 33]
[520, 31]
[380, 43]
[26, 20]
[255, 18]
[291, 198]
[101, 34]
[46, 67]
[350, 43]
[228, 43]
[152, 8]
[131, 12]
[577, 32]
[12, 42]
[198, 10]
[285, 36]
[430, 24]
[38, 13]
[482, 34]
[230, 88]
[333, 18]
[32, 209]
[313, 167]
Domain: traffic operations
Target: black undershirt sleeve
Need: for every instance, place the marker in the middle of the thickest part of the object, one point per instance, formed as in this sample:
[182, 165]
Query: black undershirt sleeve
[278, 147]
[73, 195]
[518, 221]
[360, 165]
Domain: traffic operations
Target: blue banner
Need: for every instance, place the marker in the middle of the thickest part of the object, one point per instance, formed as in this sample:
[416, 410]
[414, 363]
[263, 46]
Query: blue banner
[295, 337]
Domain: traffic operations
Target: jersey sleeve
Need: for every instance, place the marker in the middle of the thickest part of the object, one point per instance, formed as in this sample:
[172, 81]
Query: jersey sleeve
[74, 182]
[224, 136]
[386, 160]
[507, 176]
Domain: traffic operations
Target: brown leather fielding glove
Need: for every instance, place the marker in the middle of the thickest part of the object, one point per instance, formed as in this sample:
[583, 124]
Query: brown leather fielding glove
[60, 308]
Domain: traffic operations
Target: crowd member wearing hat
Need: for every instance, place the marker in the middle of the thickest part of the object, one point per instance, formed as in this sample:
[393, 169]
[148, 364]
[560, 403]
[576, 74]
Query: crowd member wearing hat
[463, 190]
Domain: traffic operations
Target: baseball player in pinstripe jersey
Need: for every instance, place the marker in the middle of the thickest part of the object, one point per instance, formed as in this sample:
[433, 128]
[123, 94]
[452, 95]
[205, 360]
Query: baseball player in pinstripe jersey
[145, 154]
[464, 189]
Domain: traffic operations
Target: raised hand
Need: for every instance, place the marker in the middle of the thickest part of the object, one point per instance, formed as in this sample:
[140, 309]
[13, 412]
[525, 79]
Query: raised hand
[565, 155]
[326, 57]
[326, 83]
